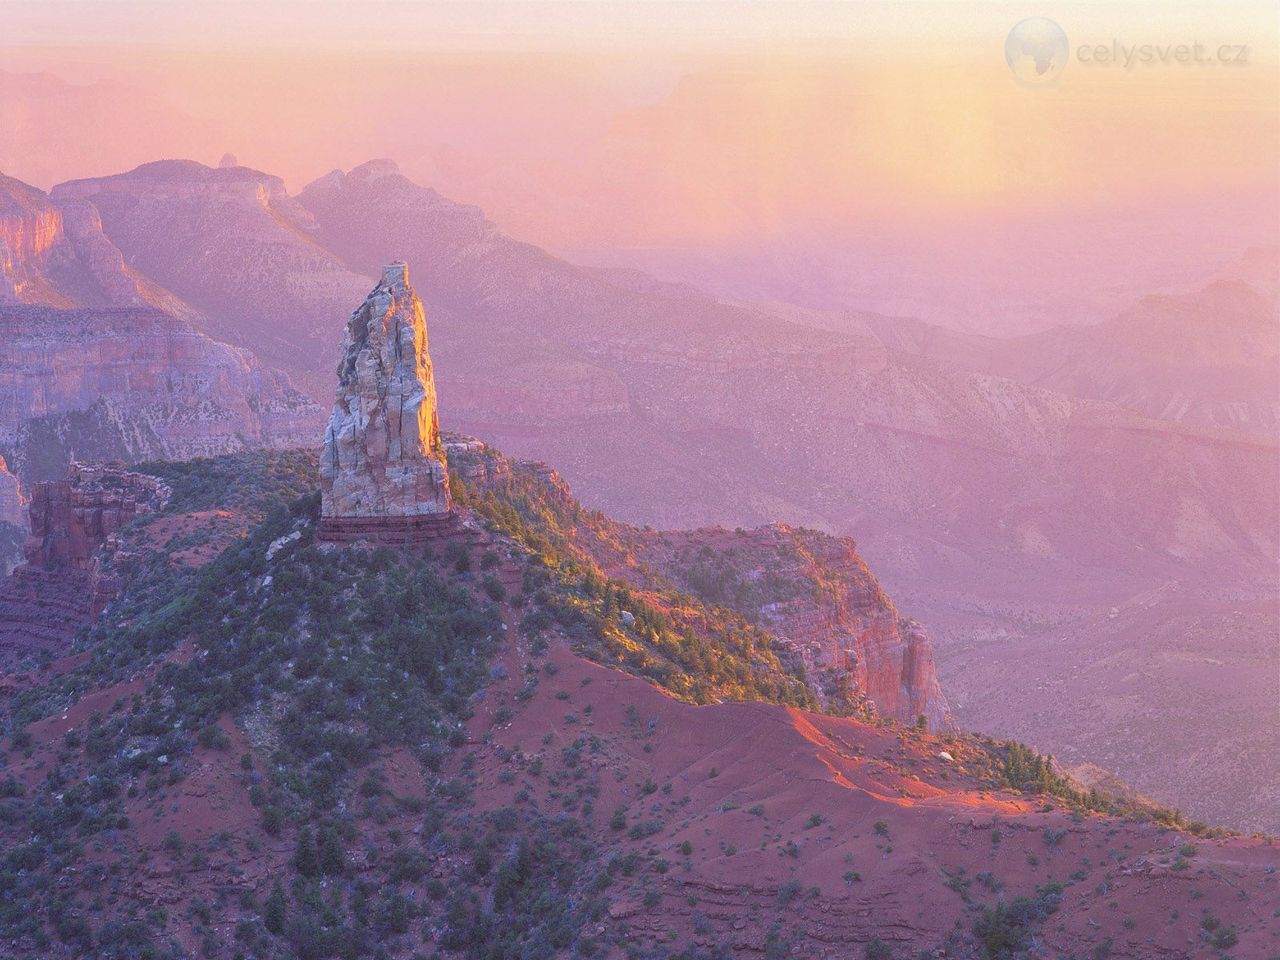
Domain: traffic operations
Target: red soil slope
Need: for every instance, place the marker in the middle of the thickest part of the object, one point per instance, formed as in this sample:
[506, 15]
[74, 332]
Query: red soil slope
[777, 826]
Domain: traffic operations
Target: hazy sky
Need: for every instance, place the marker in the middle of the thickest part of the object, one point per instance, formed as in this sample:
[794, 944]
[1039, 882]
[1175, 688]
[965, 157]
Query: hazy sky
[596, 25]
[613, 130]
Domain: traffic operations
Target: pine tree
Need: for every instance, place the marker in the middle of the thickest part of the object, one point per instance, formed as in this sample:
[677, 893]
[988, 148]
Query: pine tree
[306, 859]
[332, 857]
[274, 909]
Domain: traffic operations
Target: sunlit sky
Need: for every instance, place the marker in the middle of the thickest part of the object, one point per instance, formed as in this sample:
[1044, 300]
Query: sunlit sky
[537, 24]
[594, 128]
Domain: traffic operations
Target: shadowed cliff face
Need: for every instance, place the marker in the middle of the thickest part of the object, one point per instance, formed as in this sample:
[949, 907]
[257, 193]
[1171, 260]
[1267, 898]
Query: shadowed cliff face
[382, 454]
[12, 502]
[134, 383]
[72, 518]
[98, 361]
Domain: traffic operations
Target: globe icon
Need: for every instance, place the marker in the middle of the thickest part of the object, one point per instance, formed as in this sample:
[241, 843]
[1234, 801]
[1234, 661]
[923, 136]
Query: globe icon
[1036, 51]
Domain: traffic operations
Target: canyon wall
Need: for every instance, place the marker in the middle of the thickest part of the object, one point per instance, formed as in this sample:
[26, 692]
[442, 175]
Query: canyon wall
[12, 502]
[99, 362]
[139, 378]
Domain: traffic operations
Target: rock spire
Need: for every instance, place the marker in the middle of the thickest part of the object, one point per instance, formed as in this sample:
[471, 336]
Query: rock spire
[383, 465]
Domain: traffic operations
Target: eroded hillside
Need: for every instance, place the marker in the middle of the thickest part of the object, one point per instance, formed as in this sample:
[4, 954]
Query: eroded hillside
[272, 748]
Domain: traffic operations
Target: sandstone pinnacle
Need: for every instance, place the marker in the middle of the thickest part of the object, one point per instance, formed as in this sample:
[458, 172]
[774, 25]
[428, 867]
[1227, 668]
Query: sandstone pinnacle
[382, 454]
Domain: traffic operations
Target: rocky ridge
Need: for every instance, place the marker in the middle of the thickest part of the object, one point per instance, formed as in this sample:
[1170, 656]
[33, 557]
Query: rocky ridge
[262, 261]
[97, 361]
[817, 595]
[829, 619]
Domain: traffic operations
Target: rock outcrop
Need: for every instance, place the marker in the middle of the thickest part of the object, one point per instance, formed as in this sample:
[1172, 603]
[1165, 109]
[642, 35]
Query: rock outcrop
[830, 620]
[64, 584]
[383, 468]
[72, 518]
[12, 502]
[818, 597]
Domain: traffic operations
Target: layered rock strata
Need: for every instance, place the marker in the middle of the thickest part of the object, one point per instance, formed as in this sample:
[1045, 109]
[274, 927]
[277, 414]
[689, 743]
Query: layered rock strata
[12, 502]
[72, 518]
[64, 584]
[98, 362]
[383, 473]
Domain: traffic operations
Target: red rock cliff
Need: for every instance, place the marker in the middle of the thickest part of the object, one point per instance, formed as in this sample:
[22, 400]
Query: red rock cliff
[63, 585]
[72, 518]
[817, 595]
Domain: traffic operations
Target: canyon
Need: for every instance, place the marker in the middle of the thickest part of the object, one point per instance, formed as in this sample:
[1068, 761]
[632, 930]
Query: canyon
[992, 498]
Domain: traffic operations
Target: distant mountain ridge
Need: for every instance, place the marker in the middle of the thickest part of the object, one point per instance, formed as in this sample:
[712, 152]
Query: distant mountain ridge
[101, 361]
[1209, 357]
[234, 245]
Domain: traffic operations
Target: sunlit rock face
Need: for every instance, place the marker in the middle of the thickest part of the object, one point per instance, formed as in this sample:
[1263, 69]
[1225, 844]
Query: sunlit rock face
[382, 454]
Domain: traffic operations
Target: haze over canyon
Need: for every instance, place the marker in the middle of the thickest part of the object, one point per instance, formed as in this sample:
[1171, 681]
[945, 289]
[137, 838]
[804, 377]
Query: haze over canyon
[664, 481]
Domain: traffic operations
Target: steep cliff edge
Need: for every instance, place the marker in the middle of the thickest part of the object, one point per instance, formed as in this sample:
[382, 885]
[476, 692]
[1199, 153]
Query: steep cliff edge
[817, 595]
[99, 362]
[72, 518]
[54, 254]
[825, 614]
[12, 502]
[12, 519]
[30, 228]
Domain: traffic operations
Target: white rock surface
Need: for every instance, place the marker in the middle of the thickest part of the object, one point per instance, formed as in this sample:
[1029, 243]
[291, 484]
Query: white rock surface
[382, 454]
